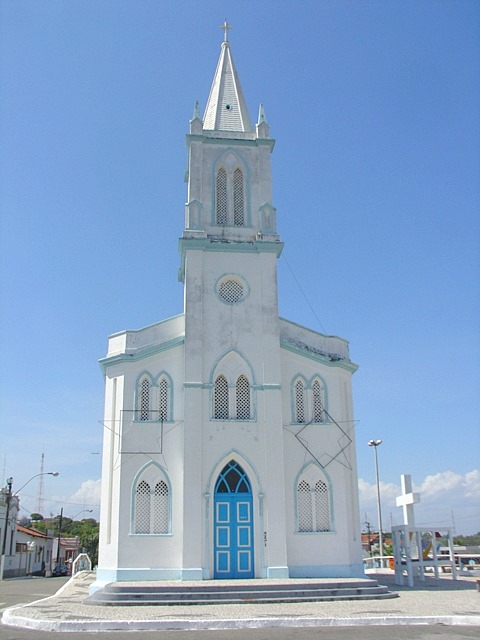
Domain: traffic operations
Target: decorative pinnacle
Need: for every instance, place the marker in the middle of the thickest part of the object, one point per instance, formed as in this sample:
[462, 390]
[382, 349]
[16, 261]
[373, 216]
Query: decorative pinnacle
[226, 28]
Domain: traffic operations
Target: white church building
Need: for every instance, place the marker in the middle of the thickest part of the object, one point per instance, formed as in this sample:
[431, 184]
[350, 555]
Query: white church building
[229, 447]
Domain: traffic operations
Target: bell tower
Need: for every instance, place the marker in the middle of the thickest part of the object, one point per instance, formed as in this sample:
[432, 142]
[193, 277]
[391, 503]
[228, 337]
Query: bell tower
[229, 248]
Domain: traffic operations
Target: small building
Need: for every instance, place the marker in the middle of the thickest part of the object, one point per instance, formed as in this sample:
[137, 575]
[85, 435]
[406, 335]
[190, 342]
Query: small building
[9, 507]
[33, 552]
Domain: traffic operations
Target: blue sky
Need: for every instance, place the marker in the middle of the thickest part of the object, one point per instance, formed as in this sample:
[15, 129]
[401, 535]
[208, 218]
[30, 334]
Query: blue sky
[375, 109]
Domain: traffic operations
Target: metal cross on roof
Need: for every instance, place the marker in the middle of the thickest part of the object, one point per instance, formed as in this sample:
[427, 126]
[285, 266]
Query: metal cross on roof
[226, 28]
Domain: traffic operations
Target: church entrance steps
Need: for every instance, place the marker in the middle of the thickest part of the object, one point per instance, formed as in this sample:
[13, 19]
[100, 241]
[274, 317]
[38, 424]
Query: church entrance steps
[237, 592]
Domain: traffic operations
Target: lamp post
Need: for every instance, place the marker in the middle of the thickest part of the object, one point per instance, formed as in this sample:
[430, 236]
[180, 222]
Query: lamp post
[375, 444]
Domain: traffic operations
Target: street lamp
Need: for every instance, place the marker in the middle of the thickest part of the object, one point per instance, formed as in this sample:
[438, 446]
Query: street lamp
[45, 473]
[375, 444]
[82, 511]
[8, 499]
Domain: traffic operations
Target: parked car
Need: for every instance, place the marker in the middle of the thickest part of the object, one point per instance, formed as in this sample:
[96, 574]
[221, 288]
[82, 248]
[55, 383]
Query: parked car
[60, 570]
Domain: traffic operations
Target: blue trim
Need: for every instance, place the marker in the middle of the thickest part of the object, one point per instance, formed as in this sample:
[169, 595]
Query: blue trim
[214, 374]
[242, 142]
[343, 364]
[308, 387]
[141, 353]
[216, 371]
[209, 244]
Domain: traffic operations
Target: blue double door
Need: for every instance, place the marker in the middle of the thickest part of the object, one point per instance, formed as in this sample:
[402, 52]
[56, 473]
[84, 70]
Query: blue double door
[233, 525]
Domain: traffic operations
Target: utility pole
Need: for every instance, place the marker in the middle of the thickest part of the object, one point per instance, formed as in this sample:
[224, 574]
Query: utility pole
[59, 537]
[5, 529]
[367, 525]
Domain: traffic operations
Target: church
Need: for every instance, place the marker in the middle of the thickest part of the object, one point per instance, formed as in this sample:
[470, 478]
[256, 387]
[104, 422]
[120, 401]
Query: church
[229, 445]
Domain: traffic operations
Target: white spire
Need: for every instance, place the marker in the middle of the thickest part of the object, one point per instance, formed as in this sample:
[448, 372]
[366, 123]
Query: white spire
[226, 108]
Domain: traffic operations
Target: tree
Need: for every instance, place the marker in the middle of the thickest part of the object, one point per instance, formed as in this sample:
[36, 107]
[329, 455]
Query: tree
[36, 516]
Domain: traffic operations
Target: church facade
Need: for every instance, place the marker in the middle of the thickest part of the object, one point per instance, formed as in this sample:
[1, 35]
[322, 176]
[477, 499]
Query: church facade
[229, 448]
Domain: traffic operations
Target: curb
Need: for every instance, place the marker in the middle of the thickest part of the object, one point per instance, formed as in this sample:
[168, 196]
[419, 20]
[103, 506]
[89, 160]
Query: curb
[245, 623]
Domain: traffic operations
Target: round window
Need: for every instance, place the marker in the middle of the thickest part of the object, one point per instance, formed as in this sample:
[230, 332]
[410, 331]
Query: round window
[231, 291]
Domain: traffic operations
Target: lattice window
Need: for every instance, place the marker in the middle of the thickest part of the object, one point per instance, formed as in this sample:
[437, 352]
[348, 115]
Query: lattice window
[238, 199]
[322, 507]
[142, 508]
[145, 399]
[163, 400]
[304, 506]
[242, 396]
[220, 398]
[318, 402]
[160, 508]
[221, 197]
[231, 291]
[299, 401]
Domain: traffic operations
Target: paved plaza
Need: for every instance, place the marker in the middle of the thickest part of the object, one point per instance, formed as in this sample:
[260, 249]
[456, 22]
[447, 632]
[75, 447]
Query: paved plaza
[442, 601]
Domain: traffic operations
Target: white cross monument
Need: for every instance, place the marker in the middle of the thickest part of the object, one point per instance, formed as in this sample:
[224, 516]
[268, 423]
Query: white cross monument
[407, 500]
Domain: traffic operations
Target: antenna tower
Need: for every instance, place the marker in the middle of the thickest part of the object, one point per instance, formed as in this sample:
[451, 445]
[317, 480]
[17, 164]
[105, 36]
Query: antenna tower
[41, 500]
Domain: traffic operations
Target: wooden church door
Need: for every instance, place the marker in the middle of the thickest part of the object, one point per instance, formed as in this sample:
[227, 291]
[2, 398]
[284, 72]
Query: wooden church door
[233, 526]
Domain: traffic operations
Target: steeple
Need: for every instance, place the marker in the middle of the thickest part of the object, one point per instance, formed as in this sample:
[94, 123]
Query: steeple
[226, 108]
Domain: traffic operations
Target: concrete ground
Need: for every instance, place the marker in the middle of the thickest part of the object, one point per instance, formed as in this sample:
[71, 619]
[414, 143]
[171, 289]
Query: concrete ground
[443, 601]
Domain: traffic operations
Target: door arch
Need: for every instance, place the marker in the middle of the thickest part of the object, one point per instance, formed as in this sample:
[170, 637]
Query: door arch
[233, 524]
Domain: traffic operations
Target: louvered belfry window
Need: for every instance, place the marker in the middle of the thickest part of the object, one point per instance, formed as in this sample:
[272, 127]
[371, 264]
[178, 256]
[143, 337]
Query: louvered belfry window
[221, 197]
[238, 199]
[220, 399]
[242, 392]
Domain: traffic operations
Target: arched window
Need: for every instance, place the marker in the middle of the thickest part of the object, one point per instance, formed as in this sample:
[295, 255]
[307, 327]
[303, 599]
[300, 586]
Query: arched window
[322, 507]
[163, 400]
[238, 199]
[299, 401]
[313, 502]
[160, 508]
[242, 393]
[318, 402]
[152, 503]
[221, 197]
[304, 507]
[142, 508]
[144, 400]
[220, 399]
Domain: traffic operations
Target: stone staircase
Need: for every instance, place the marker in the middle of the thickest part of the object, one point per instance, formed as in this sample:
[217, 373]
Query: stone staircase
[237, 592]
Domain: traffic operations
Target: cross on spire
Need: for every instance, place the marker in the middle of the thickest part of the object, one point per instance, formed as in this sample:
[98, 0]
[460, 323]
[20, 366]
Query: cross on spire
[226, 28]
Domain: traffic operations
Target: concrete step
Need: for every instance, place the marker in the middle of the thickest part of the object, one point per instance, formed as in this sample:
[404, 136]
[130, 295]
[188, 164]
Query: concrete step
[127, 594]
